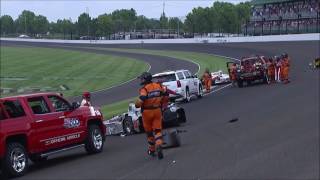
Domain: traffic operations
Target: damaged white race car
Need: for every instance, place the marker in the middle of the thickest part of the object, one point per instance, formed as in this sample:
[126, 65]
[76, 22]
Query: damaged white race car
[131, 122]
[219, 78]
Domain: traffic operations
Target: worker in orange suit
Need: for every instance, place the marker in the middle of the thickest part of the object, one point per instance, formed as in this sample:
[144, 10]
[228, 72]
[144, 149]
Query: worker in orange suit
[271, 71]
[232, 73]
[286, 65]
[150, 102]
[207, 80]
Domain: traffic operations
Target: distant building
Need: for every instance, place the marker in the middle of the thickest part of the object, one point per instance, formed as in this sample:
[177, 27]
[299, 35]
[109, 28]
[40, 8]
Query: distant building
[283, 17]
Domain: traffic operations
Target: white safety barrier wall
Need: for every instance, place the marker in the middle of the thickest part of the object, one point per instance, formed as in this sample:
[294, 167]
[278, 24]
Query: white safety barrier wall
[271, 38]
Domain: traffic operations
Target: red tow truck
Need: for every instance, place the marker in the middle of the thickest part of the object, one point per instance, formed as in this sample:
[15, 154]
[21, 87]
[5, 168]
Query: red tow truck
[35, 126]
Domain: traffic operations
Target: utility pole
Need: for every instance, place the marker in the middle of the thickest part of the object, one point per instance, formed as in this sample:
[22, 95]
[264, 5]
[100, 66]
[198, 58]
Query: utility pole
[25, 23]
[163, 6]
[87, 12]
[178, 27]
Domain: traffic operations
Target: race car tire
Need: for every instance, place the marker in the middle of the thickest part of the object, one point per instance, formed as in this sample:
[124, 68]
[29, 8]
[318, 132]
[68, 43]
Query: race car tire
[187, 96]
[15, 162]
[94, 143]
[265, 79]
[181, 115]
[36, 158]
[127, 125]
[141, 128]
[249, 83]
[213, 82]
[200, 92]
[240, 83]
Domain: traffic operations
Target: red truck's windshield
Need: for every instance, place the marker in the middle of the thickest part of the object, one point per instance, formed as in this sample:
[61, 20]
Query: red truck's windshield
[13, 108]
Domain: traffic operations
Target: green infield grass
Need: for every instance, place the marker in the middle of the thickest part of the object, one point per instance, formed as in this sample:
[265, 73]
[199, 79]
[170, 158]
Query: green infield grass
[204, 60]
[30, 69]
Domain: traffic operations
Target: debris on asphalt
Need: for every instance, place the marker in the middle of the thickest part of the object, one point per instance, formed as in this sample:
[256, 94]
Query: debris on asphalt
[233, 120]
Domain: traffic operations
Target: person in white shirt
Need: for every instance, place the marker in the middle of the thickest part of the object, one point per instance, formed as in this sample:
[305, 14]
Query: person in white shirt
[86, 99]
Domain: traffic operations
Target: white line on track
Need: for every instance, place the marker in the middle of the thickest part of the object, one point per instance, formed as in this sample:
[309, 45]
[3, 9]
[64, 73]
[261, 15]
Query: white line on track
[217, 89]
[227, 57]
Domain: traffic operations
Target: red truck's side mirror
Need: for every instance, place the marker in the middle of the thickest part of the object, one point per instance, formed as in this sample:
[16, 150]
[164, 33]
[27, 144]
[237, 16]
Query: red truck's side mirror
[75, 105]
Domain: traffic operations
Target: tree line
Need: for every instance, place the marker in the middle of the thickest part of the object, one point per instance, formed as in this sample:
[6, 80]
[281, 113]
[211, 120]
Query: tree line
[220, 17]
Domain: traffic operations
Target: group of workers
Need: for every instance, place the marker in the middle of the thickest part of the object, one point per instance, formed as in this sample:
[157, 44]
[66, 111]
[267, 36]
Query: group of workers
[153, 97]
[277, 69]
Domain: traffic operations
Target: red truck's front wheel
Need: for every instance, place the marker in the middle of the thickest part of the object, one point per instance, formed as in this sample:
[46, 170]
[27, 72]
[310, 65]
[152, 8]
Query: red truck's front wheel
[16, 160]
[94, 142]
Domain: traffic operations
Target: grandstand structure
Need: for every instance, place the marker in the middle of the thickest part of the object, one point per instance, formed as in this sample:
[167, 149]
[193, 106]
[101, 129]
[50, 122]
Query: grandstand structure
[271, 17]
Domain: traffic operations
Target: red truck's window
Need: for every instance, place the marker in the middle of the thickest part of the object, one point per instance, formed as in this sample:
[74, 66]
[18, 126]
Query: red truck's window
[38, 105]
[14, 109]
[2, 115]
[59, 104]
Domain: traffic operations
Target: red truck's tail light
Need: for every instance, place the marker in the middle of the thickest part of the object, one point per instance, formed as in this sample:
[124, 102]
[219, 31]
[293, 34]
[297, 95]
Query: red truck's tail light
[178, 84]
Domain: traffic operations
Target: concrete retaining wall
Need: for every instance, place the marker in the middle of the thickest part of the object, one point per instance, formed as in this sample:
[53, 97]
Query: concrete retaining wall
[272, 38]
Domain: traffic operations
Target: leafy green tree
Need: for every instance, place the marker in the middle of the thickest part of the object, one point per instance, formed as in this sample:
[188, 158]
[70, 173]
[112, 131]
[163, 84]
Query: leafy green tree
[176, 24]
[83, 24]
[105, 26]
[64, 27]
[163, 21]
[25, 23]
[94, 27]
[124, 20]
[142, 23]
[7, 24]
[41, 24]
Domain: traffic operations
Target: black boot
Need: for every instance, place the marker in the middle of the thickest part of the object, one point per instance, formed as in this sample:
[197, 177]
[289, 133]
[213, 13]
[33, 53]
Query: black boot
[151, 153]
[159, 152]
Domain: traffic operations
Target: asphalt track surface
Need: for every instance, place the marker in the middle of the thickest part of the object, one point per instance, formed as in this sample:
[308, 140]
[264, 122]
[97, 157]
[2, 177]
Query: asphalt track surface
[276, 135]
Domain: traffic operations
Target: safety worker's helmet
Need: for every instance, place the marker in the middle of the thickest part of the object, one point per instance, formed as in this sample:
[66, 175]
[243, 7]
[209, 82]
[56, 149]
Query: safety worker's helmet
[145, 78]
[285, 55]
[86, 94]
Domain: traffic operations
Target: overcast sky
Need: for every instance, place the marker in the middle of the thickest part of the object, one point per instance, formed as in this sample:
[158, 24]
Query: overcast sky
[60, 9]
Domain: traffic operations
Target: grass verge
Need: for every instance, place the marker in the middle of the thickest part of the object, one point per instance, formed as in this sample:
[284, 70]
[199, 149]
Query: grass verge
[29, 69]
[117, 108]
[204, 60]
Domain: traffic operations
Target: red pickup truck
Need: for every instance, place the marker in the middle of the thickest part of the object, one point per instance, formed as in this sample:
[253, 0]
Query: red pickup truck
[36, 126]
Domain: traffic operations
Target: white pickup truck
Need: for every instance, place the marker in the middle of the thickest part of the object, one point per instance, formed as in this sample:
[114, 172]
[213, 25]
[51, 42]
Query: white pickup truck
[182, 82]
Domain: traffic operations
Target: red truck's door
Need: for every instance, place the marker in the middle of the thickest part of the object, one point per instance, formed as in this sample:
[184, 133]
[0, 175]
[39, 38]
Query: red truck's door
[46, 129]
[72, 122]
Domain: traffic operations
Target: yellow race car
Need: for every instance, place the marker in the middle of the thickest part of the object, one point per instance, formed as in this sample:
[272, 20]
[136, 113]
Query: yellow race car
[317, 63]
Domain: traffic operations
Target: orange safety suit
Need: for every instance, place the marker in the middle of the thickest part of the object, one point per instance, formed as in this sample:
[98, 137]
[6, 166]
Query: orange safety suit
[282, 67]
[271, 71]
[150, 102]
[232, 73]
[285, 69]
[207, 81]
